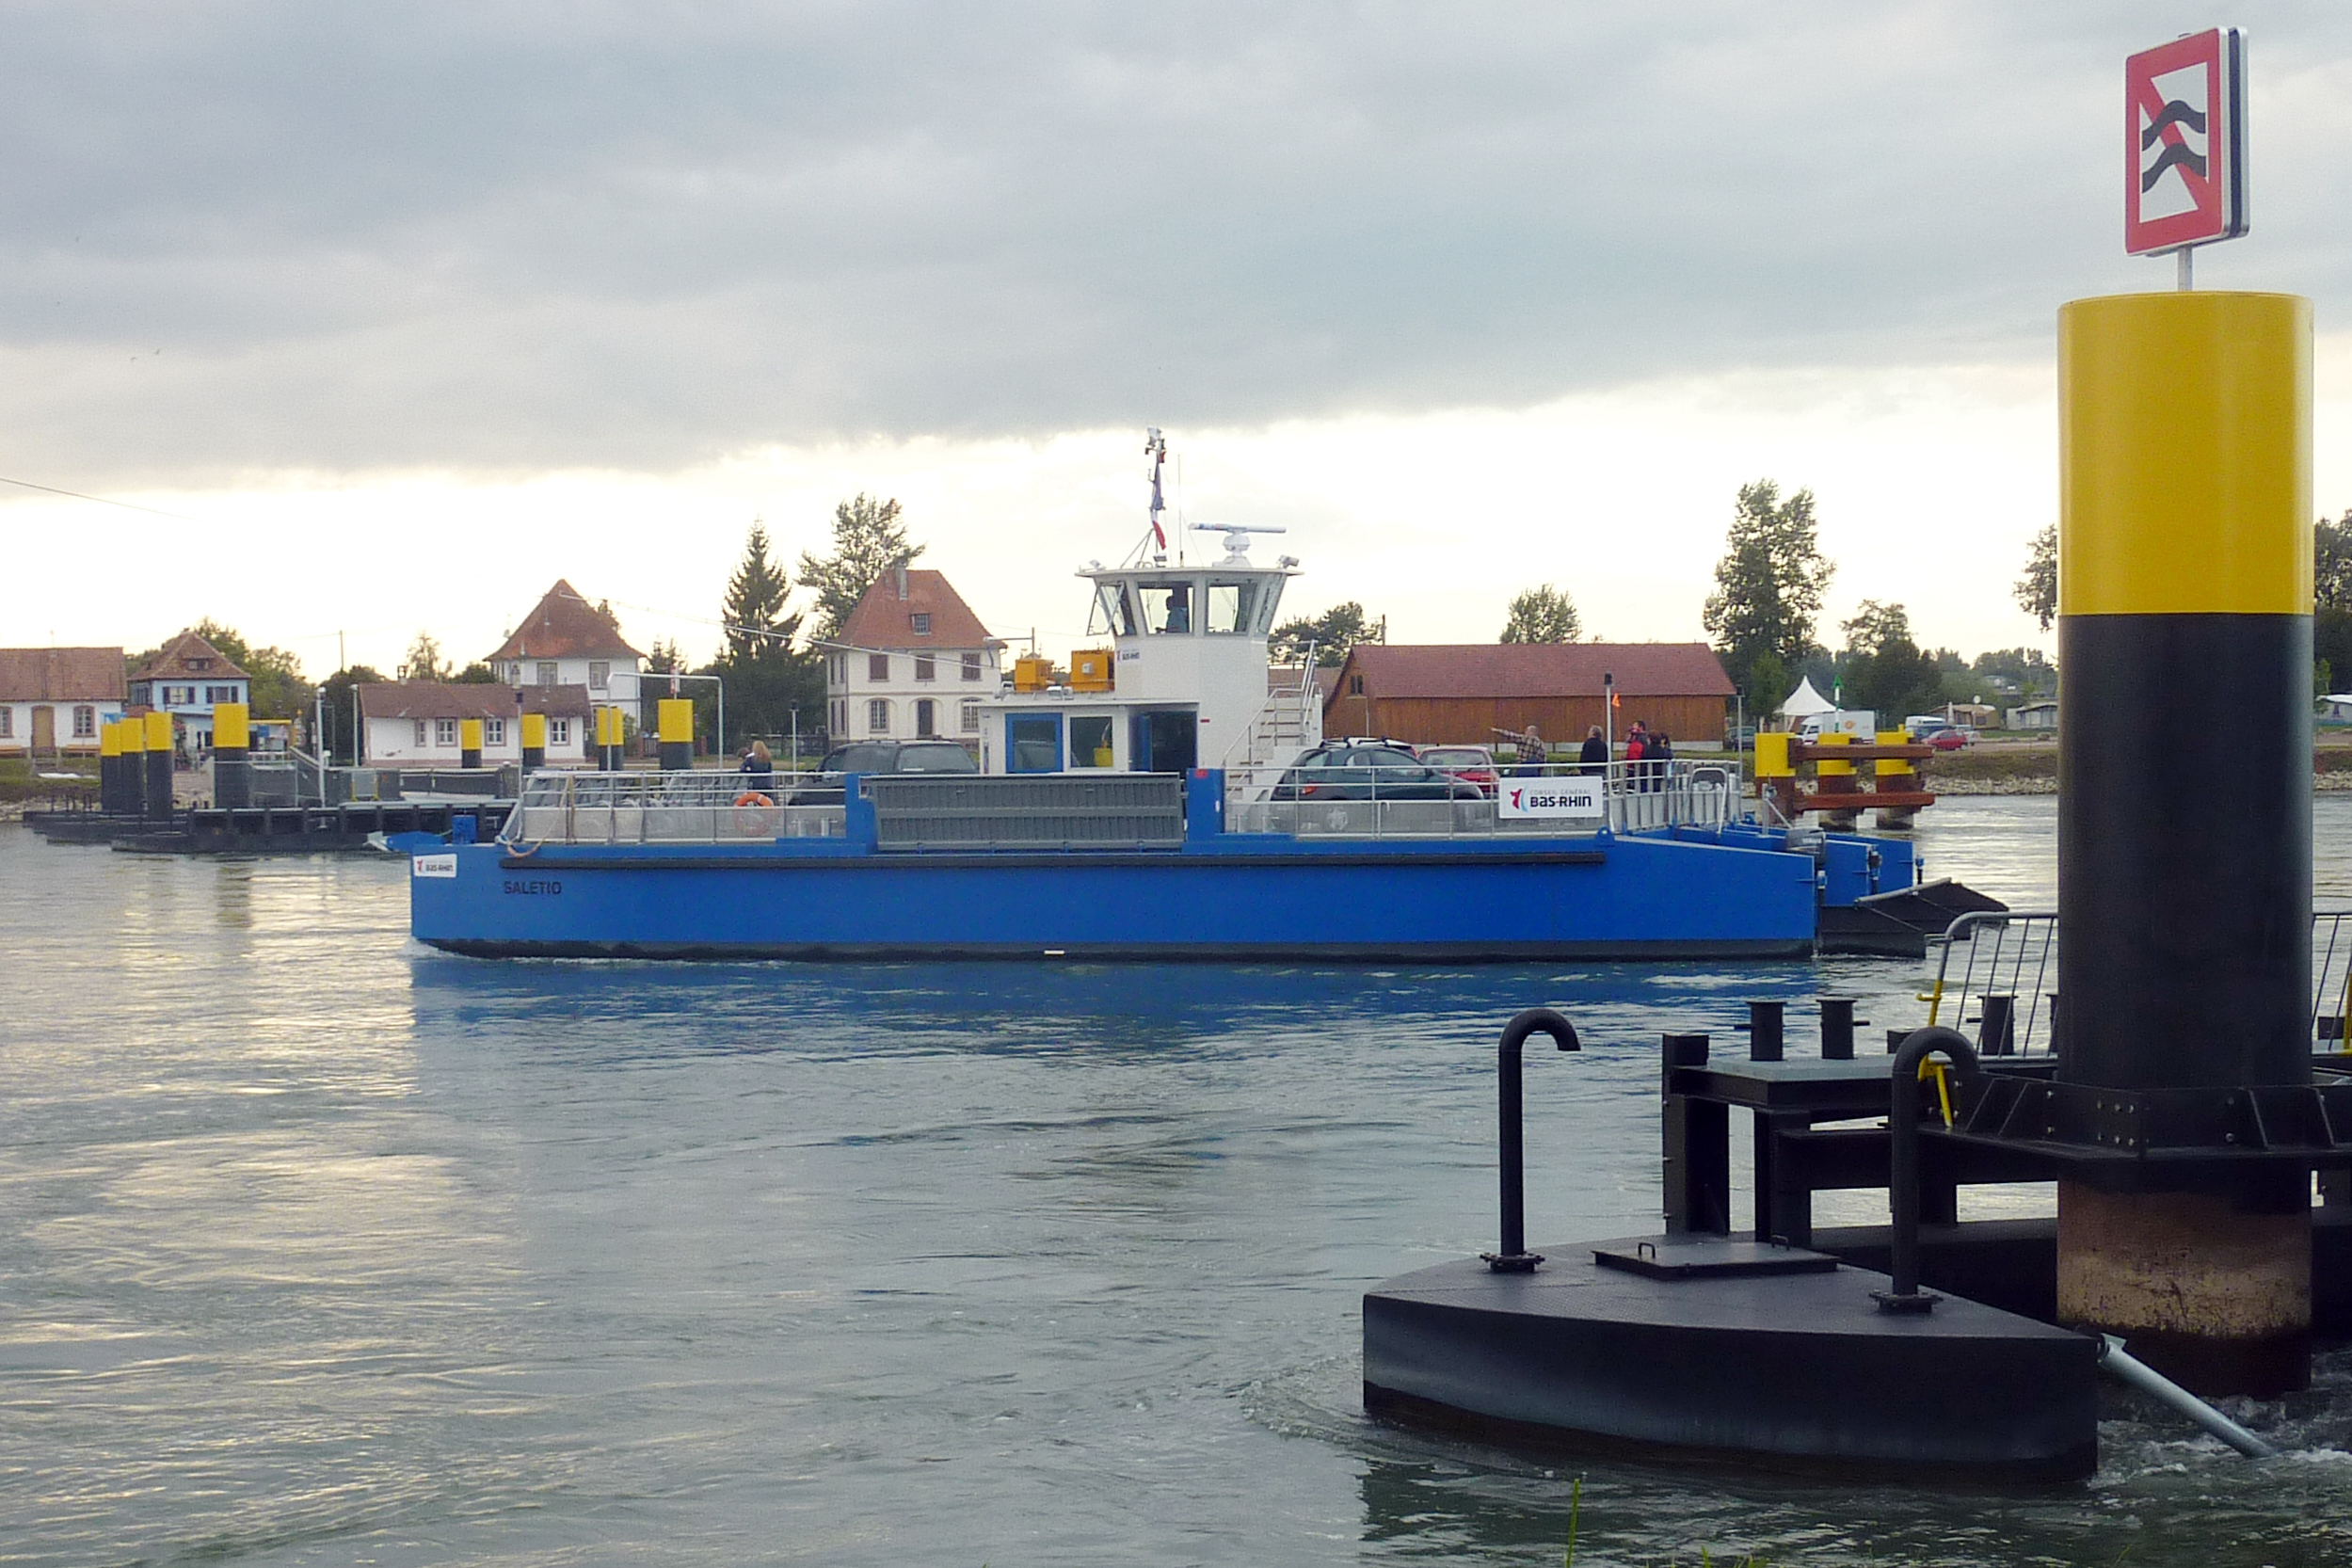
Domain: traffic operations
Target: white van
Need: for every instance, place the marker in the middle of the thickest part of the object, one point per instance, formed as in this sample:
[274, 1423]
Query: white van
[1861, 723]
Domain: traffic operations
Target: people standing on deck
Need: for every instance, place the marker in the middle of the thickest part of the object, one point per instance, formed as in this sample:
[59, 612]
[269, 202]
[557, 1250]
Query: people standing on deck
[759, 767]
[1632, 757]
[1660, 751]
[1530, 753]
[1594, 755]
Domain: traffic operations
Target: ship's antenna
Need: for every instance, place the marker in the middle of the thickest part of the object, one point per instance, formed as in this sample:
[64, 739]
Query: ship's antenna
[1156, 448]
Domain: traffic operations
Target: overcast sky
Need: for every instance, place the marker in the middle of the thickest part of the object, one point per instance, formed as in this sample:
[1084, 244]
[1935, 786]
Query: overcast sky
[416, 308]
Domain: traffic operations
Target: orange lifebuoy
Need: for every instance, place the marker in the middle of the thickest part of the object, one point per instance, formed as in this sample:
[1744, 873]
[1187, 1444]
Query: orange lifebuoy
[753, 797]
[752, 811]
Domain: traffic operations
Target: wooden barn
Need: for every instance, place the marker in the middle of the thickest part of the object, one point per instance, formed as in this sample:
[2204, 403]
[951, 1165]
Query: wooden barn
[1462, 692]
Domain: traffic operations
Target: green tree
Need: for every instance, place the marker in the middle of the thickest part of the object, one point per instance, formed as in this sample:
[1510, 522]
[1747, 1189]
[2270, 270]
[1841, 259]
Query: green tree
[663, 658]
[1331, 635]
[424, 661]
[478, 674]
[279, 691]
[2332, 596]
[1768, 684]
[767, 679]
[868, 540]
[1542, 615]
[1883, 669]
[1769, 583]
[335, 696]
[2038, 590]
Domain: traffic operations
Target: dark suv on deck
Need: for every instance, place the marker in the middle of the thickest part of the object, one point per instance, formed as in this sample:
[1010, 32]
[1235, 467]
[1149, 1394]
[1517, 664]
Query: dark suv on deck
[880, 757]
[1351, 771]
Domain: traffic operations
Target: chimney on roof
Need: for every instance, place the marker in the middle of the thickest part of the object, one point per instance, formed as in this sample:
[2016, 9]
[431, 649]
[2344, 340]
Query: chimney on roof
[902, 577]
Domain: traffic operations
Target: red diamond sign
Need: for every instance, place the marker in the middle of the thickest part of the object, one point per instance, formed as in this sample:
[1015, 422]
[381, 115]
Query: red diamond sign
[2184, 138]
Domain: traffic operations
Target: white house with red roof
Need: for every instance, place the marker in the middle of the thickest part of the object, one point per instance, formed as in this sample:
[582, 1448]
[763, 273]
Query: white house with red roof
[188, 677]
[419, 723]
[912, 662]
[565, 642]
[54, 699]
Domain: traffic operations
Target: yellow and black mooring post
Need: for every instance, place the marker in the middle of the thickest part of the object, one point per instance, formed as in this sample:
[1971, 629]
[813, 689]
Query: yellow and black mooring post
[131, 780]
[233, 766]
[468, 742]
[160, 746]
[2185, 808]
[676, 732]
[610, 732]
[533, 743]
[110, 765]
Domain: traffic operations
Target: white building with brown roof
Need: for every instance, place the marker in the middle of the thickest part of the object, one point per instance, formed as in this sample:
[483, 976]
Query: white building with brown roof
[912, 662]
[188, 677]
[52, 699]
[564, 642]
[416, 723]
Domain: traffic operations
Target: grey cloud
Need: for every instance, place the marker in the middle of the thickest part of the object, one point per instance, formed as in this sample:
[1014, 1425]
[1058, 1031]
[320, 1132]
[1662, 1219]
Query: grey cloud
[505, 238]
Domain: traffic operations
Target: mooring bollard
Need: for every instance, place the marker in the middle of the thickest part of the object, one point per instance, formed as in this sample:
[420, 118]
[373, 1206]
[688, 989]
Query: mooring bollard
[1997, 1030]
[1513, 1257]
[1766, 1027]
[1837, 1029]
[1903, 1162]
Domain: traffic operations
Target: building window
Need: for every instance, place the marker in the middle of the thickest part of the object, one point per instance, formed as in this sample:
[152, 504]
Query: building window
[925, 668]
[85, 723]
[547, 672]
[444, 732]
[421, 740]
[878, 716]
[922, 623]
[877, 666]
[1355, 685]
[926, 718]
[493, 733]
[220, 693]
[837, 669]
[559, 732]
[971, 718]
[200, 664]
[7, 722]
[600, 673]
[514, 672]
[972, 666]
[179, 697]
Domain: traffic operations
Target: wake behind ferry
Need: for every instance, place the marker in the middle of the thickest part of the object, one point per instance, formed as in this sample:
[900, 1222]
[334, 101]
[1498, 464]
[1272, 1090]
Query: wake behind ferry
[1174, 799]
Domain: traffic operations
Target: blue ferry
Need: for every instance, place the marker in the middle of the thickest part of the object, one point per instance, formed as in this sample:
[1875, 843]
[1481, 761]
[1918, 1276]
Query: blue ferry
[1178, 801]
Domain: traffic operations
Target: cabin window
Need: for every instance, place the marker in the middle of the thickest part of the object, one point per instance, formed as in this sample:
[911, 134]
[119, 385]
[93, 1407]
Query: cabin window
[878, 716]
[1233, 607]
[444, 732]
[1117, 606]
[1033, 743]
[559, 732]
[600, 673]
[85, 723]
[1090, 741]
[493, 733]
[972, 666]
[926, 718]
[926, 667]
[877, 666]
[1167, 606]
[922, 623]
[971, 718]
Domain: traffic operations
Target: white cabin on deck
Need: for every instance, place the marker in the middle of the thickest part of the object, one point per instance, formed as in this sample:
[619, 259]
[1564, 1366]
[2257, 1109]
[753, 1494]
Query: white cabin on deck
[1185, 684]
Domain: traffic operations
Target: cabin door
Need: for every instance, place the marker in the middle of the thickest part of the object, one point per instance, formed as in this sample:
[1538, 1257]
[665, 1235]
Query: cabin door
[1167, 740]
[44, 730]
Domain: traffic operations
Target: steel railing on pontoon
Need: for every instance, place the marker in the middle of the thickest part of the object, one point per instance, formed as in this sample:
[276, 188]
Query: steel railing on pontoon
[2012, 958]
[576, 807]
[1306, 801]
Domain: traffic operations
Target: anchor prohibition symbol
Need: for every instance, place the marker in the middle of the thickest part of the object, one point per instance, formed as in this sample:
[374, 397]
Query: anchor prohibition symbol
[2184, 142]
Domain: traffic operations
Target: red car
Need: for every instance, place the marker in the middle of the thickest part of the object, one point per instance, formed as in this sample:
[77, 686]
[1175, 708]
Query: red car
[1471, 765]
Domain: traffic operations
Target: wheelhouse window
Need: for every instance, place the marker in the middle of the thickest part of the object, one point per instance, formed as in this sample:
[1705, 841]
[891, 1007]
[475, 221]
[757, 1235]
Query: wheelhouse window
[878, 716]
[1167, 606]
[1235, 607]
[1090, 741]
[877, 666]
[1118, 608]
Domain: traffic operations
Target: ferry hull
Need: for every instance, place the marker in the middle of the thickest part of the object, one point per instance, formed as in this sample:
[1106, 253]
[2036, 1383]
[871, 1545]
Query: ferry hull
[1552, 899]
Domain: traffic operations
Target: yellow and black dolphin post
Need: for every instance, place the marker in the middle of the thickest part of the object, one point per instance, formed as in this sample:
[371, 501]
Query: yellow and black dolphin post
[161, 745]
[232, 756]
[677, 732]
[2184, 784]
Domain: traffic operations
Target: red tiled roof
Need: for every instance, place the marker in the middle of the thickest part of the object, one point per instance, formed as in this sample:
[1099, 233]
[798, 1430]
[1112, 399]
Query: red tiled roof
[883, 620]
[564, 625]
[171, 661]
[1537, 669]
[439, 699]
[60, 675]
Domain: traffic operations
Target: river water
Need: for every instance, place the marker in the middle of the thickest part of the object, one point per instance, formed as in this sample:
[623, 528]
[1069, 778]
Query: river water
[318, 1247]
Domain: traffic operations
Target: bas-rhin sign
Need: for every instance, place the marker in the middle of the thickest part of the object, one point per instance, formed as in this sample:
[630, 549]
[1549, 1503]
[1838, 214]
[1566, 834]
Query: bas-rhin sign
[2185, 143]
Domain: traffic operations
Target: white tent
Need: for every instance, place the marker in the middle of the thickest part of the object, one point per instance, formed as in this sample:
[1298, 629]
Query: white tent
[1804, 702]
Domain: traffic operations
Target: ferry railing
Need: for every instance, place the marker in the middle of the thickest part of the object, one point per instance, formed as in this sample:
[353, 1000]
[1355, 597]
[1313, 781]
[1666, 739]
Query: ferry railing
[581, 807]
[1404, 802]
[2005, 987]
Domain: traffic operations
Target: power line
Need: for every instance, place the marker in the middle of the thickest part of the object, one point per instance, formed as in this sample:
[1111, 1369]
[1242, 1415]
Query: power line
[106, 501]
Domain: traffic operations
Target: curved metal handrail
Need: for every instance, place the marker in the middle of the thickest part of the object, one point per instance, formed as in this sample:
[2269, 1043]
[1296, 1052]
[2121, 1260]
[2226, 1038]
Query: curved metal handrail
[1903, 1157]
[1513, 1257]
